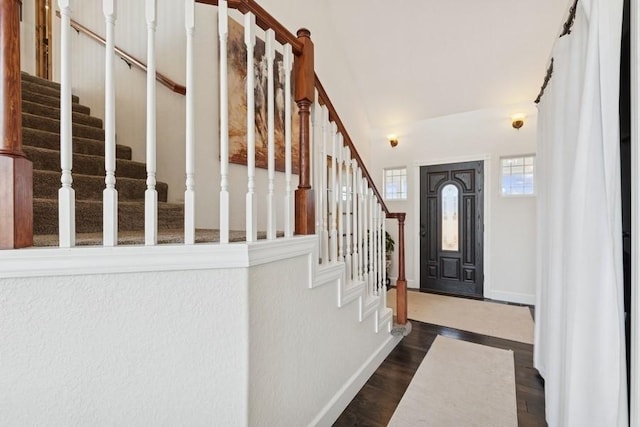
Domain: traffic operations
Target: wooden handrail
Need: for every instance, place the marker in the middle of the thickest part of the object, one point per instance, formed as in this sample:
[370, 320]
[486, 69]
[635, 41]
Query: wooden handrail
[264, 20]
[164, 80]
[333, 116]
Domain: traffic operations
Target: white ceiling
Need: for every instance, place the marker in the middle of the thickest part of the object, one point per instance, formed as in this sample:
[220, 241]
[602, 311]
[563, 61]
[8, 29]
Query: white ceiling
[417, 59]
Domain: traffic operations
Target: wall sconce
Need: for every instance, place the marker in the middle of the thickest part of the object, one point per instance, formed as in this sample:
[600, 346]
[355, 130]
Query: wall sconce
[517, 121]
[393, 140]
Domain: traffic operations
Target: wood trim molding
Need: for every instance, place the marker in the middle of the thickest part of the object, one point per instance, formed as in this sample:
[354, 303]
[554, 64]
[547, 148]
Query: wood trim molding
[131, 60]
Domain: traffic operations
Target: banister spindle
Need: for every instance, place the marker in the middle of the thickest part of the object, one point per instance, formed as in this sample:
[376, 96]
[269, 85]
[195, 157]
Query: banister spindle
[366, 256]
[340, 154]
[151, 194]
[110, 194]
[66, 193]
[361, 228]
[251, 208]
[190, 143]
[384, 271]
[333, 200]
[382, 264]
[317, 129]
[270, 54]
[347, 213]
[354, 218]
[374, 243]
[223, 34]
[322, 164]
[289, 214]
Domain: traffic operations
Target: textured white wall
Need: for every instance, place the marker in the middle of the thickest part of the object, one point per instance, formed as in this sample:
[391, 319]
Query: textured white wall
[510, 273]
[164, 348]
[28, 37]
[302, 344]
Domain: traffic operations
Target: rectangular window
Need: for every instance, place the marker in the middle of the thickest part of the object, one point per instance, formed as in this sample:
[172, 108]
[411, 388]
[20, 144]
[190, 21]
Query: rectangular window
[518, 175]
[395, 184]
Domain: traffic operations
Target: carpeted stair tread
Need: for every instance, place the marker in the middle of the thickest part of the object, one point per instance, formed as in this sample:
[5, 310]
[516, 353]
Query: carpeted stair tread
[52, 101]
[54, 113]
[31, 86]
[44, 159]
[89, 216]
[89, 187]
[38, 80]
[51, 141]
[53, 125]
[168, 236]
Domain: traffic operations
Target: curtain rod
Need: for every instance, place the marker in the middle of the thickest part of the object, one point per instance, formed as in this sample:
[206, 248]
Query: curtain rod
[566, 31]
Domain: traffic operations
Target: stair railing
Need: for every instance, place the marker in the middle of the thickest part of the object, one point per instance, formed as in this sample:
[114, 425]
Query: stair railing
[347, 211]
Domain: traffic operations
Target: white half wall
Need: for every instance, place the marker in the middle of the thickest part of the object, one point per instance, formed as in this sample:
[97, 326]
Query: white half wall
[509, 221]
[229, 335]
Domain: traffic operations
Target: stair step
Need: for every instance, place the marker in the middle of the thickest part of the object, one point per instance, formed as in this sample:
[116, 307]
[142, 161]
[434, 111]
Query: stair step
[53, 125]
[167, 236]
[39, 80]
[49, 140]
[49, 160]
[54, 113]
[89, 216]
[51, 101]
[31, 86]
[88, 187]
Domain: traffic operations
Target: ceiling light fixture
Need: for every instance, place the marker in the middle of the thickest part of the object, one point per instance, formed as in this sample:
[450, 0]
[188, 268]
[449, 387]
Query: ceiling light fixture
[517, 121]
[393, 140]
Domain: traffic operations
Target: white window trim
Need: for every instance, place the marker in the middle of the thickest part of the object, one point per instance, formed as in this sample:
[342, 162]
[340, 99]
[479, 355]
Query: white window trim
[535, 173]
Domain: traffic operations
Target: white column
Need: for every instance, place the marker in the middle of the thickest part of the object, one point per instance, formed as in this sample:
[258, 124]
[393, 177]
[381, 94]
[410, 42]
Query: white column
[66, 193]
[251, 208]
[288, 196]
[110, 194]
[223, 33]
[333, 198]
[190, 143]
[151, 194]
[324, 238]
[270, 54]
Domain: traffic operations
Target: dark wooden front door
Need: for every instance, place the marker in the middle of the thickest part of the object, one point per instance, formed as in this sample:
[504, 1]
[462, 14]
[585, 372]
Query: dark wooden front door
[451, 228]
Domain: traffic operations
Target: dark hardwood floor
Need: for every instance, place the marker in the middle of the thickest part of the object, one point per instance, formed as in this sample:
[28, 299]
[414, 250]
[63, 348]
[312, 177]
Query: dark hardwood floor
[376, 401]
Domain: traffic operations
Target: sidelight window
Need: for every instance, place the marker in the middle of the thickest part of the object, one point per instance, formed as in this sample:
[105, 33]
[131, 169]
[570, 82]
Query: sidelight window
[450, 215]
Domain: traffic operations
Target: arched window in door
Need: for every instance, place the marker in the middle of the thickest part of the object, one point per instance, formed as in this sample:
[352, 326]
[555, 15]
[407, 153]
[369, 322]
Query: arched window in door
[449, 218]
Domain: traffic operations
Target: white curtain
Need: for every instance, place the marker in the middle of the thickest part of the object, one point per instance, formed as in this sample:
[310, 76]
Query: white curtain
[579, 341]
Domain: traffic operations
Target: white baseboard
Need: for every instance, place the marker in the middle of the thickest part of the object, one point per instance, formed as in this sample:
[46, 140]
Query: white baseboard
[332, 410]
[413, 284]
[511, 297]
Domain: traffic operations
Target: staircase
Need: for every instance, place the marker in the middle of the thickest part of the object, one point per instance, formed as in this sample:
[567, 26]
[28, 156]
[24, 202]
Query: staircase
[41, 142]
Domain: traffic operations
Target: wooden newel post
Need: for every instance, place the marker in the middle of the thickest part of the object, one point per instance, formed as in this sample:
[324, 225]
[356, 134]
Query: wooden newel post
[401, 283]
[304, 97]
[16, 172]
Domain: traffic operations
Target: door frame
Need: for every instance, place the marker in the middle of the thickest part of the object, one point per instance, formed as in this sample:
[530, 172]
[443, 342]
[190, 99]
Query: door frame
[486, 241]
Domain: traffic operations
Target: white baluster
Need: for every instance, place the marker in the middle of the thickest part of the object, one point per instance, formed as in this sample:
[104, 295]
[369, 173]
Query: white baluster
[270, 54]
[374, 245]
[354, 218]
[347, 212]
[288, 197]
[381, 251]
[366, 256]
[384, 270]
[110, 194]
[316, 145]
[361, 227]
[251, 208]
[340, 154]
[376, 213]
[151, 194]
[323, 185]
[372, 259]
[333, 199]
[66, 193]
[223, 32]
[190, 143]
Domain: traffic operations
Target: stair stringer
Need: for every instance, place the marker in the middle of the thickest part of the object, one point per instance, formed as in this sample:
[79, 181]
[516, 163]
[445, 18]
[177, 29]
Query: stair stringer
[352, 292]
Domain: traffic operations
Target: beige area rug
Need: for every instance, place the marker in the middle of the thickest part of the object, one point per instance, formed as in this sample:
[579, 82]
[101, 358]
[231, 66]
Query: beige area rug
[487, 318]
[460, 384]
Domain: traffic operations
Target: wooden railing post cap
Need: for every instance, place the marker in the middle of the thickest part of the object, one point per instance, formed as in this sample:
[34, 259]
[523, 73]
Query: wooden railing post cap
[303, 32]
